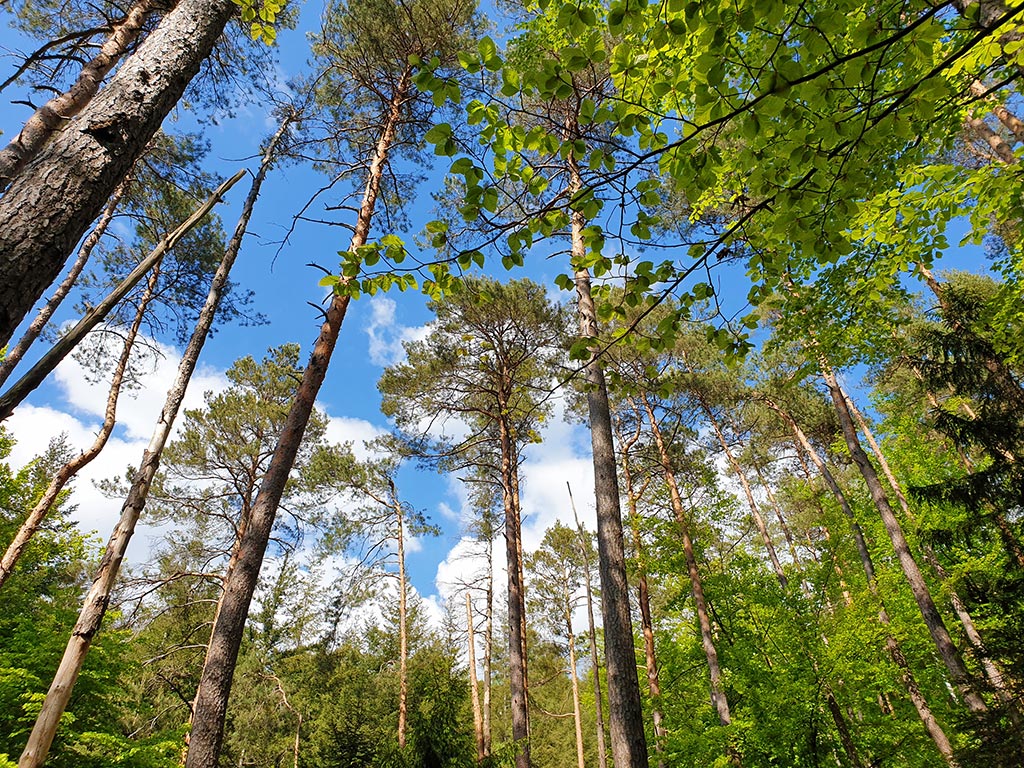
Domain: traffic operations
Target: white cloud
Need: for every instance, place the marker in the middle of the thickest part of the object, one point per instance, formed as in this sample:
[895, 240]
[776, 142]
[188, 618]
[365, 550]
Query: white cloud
[386, 335]
[342, 429]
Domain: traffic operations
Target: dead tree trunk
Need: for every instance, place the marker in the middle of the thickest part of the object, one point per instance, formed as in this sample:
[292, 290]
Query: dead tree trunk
[64, 475]
[474, 693]
[96, 600]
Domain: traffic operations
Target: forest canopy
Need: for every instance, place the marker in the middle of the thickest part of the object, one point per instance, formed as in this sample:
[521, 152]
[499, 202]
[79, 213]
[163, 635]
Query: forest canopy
[620, 383]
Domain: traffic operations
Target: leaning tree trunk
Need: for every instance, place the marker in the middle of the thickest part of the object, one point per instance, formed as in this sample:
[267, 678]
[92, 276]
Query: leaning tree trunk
[577, 716]
[629, 742]
[35, 376]
[17, 352]
[992, 673]
[51, 203]
[924, 712]
[947, 650]
[718, 697]
[226, 636]
[42, 507]
[403, 633]
[54, 114]
[97, 599]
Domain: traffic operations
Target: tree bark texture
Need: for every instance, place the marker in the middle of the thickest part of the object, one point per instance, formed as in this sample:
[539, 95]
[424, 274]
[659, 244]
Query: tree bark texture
[17, 352]
[226, 637]
[52, 201]
[629, 742]
[50, 117]
[64, 475]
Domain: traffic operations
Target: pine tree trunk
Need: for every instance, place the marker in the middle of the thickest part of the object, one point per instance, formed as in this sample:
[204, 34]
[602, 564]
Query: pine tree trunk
[474, 693]
[51, 203]
[595, 662]
[516, 599]
[488, 646]
[629, 742]
[98, 597]
[64, 475]
[932, 618]
[68, 341]
[17, 352]
[226, 638]
[924, 712]
[577, 715]
[403, 634]
[53, 115]
[718, 697]
[643, 592]
[992, 673]
[755, 511]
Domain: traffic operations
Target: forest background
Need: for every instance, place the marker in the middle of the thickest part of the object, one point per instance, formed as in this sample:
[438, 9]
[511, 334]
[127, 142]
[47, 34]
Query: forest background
[283, 283]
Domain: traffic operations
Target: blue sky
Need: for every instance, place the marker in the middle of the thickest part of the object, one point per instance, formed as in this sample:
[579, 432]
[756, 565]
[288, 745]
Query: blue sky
[284, 287]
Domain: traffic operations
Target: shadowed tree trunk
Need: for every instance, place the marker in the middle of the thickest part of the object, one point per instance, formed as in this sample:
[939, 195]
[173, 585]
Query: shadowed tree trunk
[52, 201]
[53, 115]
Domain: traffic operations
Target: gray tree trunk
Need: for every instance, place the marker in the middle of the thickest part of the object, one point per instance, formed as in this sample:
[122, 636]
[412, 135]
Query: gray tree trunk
[52, 201]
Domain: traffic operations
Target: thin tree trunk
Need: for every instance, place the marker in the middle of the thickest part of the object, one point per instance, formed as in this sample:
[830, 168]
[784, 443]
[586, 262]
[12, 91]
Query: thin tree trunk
[1009, 120]
[516, 600]
[474, 693]
[50, 204]
[403, 635]
[67, 342]
[932, 618]
[55, 113]
[521, 560]
[595, 662]
[17, 352]
[992, 673]
[643, 592]
[226, 637]
[577, 715]
[718, 697]
[70, 469]
[488, 645]
[924, 712]
[97, 599]
[629, 742]
[755, 511]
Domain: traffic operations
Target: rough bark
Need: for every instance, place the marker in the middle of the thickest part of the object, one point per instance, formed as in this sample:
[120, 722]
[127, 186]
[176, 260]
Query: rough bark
[629, 742]
[51, 203]
[595, 662]
[35, 376]
[226, 637]
[64, 475]
[516, 600]
[50, 117]
[17, 352]
[947, 650]
[474, 692]
[643, 592]
[95, 604]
